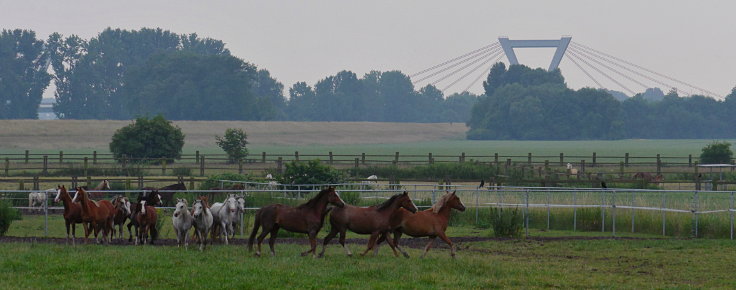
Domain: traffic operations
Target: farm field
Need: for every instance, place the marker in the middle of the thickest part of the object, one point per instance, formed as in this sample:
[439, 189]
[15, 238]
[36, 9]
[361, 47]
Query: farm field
[559, 263]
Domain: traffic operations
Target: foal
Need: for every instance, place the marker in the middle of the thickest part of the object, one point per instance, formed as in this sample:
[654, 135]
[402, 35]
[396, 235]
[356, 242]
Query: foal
[372, 220]
[145, 217]
[121, 214]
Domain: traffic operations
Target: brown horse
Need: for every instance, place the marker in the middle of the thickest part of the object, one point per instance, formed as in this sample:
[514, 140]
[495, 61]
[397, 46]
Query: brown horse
[374, 220]
[152, 198]
[307, 218]
[103, 185]
[121, 214]
[430, 223]
[72, 213]
[145, 216]
[99, 213]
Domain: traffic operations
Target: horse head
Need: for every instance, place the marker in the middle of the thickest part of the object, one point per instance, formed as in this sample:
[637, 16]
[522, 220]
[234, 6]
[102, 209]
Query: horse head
[181, 206]
[59, 189]
[406, 202]
[241, 203]
[78, 194]
[231, 204]
[120, 202]
[198, 208]
[455, 202]
[106, 184]
[334, 198]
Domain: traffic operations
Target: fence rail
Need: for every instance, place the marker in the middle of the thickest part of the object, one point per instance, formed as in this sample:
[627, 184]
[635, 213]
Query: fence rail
[665, 212]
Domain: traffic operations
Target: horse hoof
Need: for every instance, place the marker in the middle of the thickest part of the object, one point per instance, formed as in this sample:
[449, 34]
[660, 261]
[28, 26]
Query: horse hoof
[406, 255]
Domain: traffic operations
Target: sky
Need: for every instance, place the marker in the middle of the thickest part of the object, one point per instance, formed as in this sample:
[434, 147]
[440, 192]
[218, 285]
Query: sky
[692, 41]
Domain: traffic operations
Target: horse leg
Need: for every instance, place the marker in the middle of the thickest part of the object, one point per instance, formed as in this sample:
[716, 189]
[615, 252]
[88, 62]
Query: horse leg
[223, 226]
[74, 233]
[342, 242]
[371, 243]
[265, 230]
[178, 237]
[67, 231]
[391, 244]
[130, 233]
[397, 236]
[429, 245]
[449, 243]
[326, 240]
[313, 243]
[272, 239]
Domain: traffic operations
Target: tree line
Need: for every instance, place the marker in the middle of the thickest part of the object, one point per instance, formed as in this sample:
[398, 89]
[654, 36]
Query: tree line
[534, 104]
[121, 74]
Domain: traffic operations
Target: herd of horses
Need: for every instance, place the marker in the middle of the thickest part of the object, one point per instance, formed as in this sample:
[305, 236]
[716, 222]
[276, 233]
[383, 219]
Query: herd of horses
[387, 221]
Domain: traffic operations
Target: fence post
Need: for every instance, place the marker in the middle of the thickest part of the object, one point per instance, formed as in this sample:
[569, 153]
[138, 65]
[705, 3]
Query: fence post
[86, 165]
[582, 166]
[357, 162]
[75, 182]
[664, 221]
[331, 158]
[574, 212]
[621, 169]
[279, 164]
[36, 186]
[495, 158]
[549, 194]
[27, 153]
[695, 211]
[594, 160]
[477, 204]
[462, 157]
[526, 213]
[7, 166]
[626, 159]
[45, 215]
[362, 158]
[396, 158]
[196, 156]
[125, 161]
[263, 157]
[94, 157]
[240, 166]
[613, 212]
[689, 160]
[529, 158]
[61, 157]
[45, 164]
[429, 158]
[127, 184]
[201, 165]
[296, 156]
[603, 211]
[21, 185]
[140, 181]
[191, 182]
[659, 165]
[562, 159]
[633, 213]
[89, 181]
[163, 166]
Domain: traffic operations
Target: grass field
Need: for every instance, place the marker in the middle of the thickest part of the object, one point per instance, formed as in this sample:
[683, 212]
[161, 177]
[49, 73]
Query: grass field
[491, 264]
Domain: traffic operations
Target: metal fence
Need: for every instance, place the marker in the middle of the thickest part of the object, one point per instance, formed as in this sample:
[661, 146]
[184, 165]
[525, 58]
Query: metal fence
[615, 211]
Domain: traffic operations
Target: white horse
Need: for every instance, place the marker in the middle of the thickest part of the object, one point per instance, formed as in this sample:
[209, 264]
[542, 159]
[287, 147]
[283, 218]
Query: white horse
[36, 199]
[240, 212]
[183, 221]
[202, 221]
[224, 215]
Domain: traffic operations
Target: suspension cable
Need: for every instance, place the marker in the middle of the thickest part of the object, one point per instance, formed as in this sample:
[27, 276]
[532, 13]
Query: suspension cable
[482, 73]
[472, 59]
[435, 82]
[601, 72]
[586, 72]
[492, 45]
[645, 86]
[488, 59]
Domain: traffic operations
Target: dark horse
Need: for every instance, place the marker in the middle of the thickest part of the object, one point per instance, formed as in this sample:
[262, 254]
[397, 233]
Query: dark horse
[374, 220]
[167, 197]
[306, 218]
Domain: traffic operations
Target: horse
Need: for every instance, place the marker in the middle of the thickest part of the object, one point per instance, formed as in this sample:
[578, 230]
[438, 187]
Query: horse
[146, 218]
[182, 221]
[241, 211]
[99, 213]
[36, 199]
[430, 223]
[306, 218]
[103, 185]
[167, 197]
[72, 213]
[152, 198]
[374, 220]
[202, 220]
[223, 215]
[122, 213]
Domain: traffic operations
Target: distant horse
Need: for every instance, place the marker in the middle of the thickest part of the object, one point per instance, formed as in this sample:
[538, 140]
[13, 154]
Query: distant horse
[122, 213]
[37, 199]
[100, 213]
[223, 214]
[430, 223]
[72, 213]
[202, 221]
[103, 185]
[307, 218]
[182, 221]
[145, 216]
[374, 220]
[648, 177]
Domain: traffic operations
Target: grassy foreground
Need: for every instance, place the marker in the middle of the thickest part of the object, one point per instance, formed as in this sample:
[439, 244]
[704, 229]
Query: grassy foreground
[521, 264]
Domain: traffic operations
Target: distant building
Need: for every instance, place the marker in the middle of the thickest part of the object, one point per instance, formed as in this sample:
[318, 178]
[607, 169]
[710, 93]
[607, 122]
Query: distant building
[46, 110]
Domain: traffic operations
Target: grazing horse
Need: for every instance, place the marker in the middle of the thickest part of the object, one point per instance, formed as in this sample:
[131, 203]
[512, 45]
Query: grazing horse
[182, 221]
[103, 185]
[72, 213]
[223, 214]
[307, 218]
[122, 213]
[99, 213]
[374, 220]
[430, 223]
[145, 216]
[202, 220]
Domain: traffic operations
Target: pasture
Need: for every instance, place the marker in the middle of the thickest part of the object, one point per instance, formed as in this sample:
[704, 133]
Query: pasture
[538, 263]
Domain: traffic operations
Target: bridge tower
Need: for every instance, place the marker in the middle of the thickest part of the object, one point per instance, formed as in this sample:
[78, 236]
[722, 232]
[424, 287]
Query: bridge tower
[508, 46]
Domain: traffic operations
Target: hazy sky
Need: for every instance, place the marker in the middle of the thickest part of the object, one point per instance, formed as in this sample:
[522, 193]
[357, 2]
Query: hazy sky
[309, 40]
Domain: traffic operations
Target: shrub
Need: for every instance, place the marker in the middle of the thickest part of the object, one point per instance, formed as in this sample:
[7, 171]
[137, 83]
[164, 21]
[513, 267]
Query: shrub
[311, 172]
[214, 180]
[716, 152]
[146, 138]
[350, 197]
[506, 222]
[233, 143]
[7, 215]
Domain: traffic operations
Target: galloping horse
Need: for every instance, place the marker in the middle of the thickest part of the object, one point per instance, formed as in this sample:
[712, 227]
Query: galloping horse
[152, 198]
[182, 221]
[202, 220]
[121, 214]
[99, 213]
[224, 213]
[145, 217]
[72, 213]
[307, 218]
[374, 220]
[430, 223]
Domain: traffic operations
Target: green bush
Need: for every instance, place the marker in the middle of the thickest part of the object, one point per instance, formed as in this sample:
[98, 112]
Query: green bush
[233, 143]
[146, 138]
[7, 215]
[214, 180]
[311, 172]
[716, 153]
[506, 222]
[350, 197]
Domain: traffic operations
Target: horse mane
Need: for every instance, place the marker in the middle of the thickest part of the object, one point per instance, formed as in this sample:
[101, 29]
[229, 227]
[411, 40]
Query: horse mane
[437, 206]
[313, 202]
[388, 202]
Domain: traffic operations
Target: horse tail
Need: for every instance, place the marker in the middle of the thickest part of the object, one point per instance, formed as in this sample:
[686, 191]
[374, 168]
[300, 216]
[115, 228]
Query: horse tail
[256, 226]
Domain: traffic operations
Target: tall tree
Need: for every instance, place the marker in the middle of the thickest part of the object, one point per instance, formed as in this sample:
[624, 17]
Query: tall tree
[302, 102]
[71, 93]
[23, 76]
[270, 94]
[336, 98]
